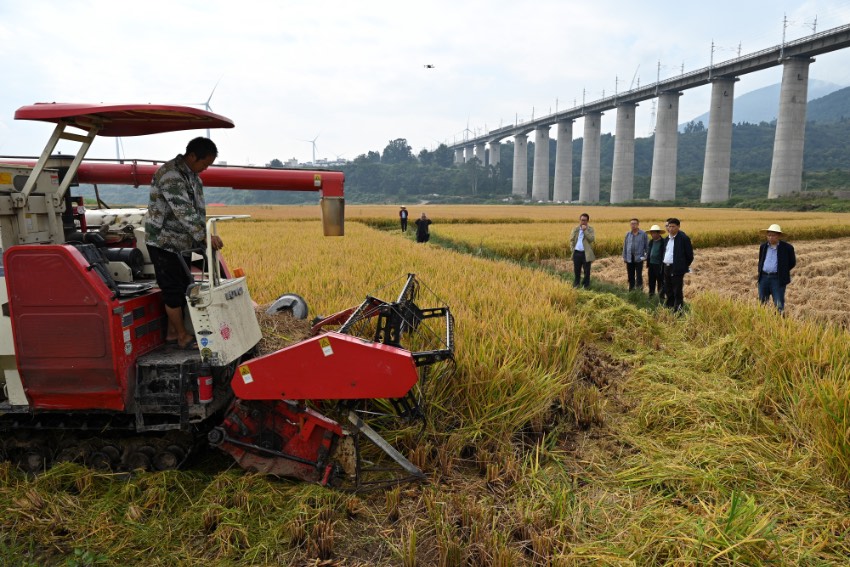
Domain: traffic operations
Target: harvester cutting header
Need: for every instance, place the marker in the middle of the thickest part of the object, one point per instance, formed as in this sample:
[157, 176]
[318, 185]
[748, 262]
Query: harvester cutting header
[86, 373]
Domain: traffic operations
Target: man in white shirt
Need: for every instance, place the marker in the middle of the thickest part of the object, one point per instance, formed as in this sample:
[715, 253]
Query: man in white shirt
[678, 256]
[581, 249]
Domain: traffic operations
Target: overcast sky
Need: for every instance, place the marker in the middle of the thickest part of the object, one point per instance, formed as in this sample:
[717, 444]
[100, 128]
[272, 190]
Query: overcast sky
[352, 74]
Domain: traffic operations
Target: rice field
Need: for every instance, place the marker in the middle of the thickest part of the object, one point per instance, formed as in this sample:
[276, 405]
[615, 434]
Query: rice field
[543, 240]
[818, 289]
[578, 429]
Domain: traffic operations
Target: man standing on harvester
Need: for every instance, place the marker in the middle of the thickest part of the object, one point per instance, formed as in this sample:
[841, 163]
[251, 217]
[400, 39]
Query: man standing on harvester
[176, 221]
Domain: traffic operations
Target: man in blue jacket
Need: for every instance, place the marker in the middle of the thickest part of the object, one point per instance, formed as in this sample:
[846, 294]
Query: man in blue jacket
[776, 260]
[678, 256]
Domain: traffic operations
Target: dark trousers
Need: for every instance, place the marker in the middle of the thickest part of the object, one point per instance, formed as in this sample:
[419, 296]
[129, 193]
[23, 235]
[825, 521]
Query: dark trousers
[635, 272]
[171, 276]
[674, 288]
[403, 224]
[578, 265]
[770, 286]
[655, 277]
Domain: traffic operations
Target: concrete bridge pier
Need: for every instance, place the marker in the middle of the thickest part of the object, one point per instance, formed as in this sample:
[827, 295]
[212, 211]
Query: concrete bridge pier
[662, 186]
[786, 171]
[468, 153]
[495, 152]
[588, 189]
[718, 145]
[563, 192]
[458, 156]
[623, 173]
[540, 178]
[520, 180]
[480, 149]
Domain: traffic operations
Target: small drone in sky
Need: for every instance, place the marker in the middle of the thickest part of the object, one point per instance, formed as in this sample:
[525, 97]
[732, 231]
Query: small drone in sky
[429, 66]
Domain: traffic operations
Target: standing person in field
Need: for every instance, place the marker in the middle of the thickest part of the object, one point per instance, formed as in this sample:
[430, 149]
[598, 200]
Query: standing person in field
[176, 221]
[678, 256]
[776, 260]
[634, 253]
[402, 217]
[655, 262]
[422, 232]
[581, 249]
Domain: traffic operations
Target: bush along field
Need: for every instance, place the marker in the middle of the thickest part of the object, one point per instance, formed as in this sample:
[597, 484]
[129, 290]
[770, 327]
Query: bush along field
[578, 429]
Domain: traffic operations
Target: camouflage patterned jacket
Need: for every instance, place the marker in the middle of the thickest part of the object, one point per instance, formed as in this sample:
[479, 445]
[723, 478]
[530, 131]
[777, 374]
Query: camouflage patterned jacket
[176, 217]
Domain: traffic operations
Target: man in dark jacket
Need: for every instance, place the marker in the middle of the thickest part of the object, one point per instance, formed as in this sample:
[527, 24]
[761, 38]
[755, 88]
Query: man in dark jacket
[402, 218]
[655, 262]
[678, 256]
[776, 260]
[423, 234]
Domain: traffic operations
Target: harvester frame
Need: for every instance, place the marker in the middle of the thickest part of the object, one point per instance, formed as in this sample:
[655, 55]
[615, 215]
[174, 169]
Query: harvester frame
[86, 375]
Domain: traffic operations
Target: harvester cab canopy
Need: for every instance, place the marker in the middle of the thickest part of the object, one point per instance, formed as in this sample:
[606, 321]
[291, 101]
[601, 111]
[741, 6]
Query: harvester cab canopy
[34, 196]
[106, 120]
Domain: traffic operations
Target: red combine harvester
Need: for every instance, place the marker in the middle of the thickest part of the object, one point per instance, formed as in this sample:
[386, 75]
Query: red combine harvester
[85, 372]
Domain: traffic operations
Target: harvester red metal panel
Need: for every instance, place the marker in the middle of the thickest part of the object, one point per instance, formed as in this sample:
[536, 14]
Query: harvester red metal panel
[332, 366]
[124, 119]
[76, 343]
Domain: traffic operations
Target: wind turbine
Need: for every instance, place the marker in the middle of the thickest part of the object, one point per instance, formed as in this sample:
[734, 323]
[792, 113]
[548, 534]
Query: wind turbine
[313, 141]
[206, 103]
[467, 131]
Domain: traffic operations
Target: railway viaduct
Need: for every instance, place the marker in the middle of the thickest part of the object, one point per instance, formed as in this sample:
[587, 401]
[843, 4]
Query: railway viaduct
[787, 165]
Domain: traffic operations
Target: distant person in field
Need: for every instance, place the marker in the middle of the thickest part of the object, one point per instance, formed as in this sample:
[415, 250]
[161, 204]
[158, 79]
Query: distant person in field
[634, 253]
[176, 221]
[581, 249]
[678, 257]
[402, 217]
[776, 260]
[655, 262]
[422, 232]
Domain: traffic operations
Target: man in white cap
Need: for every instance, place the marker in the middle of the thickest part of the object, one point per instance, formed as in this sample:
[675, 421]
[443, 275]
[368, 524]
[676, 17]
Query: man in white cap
[655, 262]
[776, 260]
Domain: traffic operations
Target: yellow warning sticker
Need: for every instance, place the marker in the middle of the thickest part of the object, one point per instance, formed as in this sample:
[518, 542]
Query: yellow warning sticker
[325, 343]
[317, 180]
[5, 178]
[246, 374]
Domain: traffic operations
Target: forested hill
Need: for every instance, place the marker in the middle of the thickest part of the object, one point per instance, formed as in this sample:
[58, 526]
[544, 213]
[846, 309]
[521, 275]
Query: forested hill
[398, 175]
[834, 107]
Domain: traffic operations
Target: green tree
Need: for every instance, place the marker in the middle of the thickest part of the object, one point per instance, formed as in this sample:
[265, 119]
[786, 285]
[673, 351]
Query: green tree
[275, 163]
[371, 157]
[694, 127]
[473, 173]
[397, 151]
[443, 156]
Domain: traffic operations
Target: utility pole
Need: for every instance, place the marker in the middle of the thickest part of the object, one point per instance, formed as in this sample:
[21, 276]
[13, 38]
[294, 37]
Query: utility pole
[711, 60]
[784, 27]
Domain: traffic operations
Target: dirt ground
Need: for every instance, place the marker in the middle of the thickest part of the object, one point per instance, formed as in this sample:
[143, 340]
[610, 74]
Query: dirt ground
[819, 289]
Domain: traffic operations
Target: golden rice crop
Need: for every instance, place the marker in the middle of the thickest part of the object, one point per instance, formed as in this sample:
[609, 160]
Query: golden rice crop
[549, 213]
[514, 328]
[579, 429]
[541, 240]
